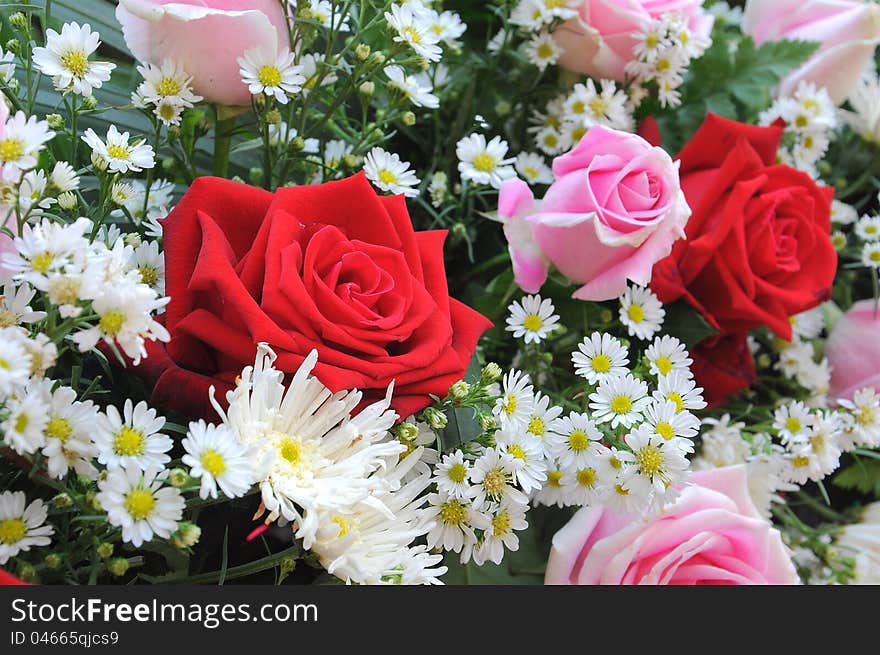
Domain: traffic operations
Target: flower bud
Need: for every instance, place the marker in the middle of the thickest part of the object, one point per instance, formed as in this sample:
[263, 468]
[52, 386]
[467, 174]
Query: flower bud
[89, 102]
[459, 390]
[56, 121]
[93, 502]
[255, 175]
[118, 566]
[459, 230]
[606, 316]
[435, 418]
[367, 88]
[273, 117]
[362, 51]
[19, 21]
[13, 84]
[488, 422]
[407, 431]
[350, 160]
[409, 119]
[297, 144]
[178, 477]
[503, 108]
[98, 161]
[13, 46]
[62, 501]
[168, 165]
[187, 535]
[133, 239]
[491, 372]
[53, 561]
[104, 550]
[377, 59]
[838, 240]
[27, 573]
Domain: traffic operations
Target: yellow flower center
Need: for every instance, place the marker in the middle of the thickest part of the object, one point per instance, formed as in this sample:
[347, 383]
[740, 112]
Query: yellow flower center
[793, 425]
[578, 133]
[343, 526]
[664, 365]
[501, 523]
[865, 416]
[387, 177]
[457, 473]
[517, 452]
[663, 65]
[12, 531]
[42, 262]
[289, 449]
[530, 173]
[76, 61]
[149, 275]
[129, 442]
[809, 142]
[168, 86]
[875, 256]
[59, 428]
[269, 76]
[817, 443]
[615, 463]
[578, 107]
[554, 478]
[650, 460]
[63, 290]
[453, 512]
[484, 162]
[871, 229]
[167, 111]
[111, 322]
[21, 423]
[620, 490]
[586, 477]
[545, 51]
[412, 35]
[8, 318]
[601, 363]
[116, 151]
[536, 426]
[533, 323]
[11, 149]
[652, 41]
[494, 483]
[551, 140]
[578, 440]
[598, 106]
[139, 503]
[5, 365]
[801, 121]
[800, 462]
[213, 462]
[677, 399]
[509, 405]
[636, 313]
[665, 430]
[621, 404]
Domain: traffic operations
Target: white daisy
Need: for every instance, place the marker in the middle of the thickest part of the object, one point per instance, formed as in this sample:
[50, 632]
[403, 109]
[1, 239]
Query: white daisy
[32, 192]
[218, 459]
[22, 524]
[484, 163]
[658, 464]
[794, 358]
[131, 439]
[574, 442]
[494, 477]
[868, 228]
[150, 263]
[167, 82]
[514, 408]
[541, 423]
[271, 73]
[532, 318]
[551, 141]
[554, 491]
[415, 88]
[667, 354]
[329, 15]
[641, 312]
[531, 471]
[15, 306]
[452, 475]
[865, 408]
[65, 59]
[21, 139]
[168, 111]
[808, 324]
[504, 519]
[582, 486]
[680, 389]
[413, 30]
[316, 69]
[613, 465]
[388, 173]
[600, 356]
[120, 155]
[140, 503]
[542, 50]
[619, 400]
[455, 520]
[25, 426]
[793, 421]
[532, 167]
[447, 26]
[871, 254]
[842, 213]
[68, 435]
[7, 66]
[823, 440]
[588, 105]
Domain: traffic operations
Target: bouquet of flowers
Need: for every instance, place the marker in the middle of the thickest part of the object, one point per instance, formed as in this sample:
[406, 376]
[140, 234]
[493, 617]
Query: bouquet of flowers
[413, 292]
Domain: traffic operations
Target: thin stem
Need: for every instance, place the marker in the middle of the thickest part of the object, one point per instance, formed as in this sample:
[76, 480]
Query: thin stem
[223, 129]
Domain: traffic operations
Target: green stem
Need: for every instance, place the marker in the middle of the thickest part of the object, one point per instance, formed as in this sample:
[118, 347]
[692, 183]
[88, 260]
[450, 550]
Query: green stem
[223, 130]
[250, 568]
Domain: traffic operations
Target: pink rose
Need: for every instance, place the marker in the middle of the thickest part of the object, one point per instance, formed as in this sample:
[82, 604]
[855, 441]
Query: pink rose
[712, 534]
[848, 29]
[599, 41]
[205, 37]
[615, 209]
[853, 350]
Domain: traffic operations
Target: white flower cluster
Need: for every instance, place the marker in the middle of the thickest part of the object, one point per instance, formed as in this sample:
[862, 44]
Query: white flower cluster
[797, 359]
[864, 119]
[65, 58]
[810, 118]
[537, 18]
[167, 88]
[662, 54]
[867, 230]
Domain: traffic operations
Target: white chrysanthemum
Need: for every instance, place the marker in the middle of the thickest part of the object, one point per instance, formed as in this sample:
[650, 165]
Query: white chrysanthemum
[606, 105]
[452, 474]
[415, 88]
[664, 419]
[139, 503]
[311, 454]
[271, 73]
[33, 194]
[25, 425]
[15, 308]
[823, 441]
[682, 390]
[329, 15]
[601, 356]
[865, 408]
[168, 111]
[843, 214]
[505, 519]
[494, 478]
[22, 525]
[482, 162]
[413, 30]
[531, 318]
[7, 66]
[533, 169]
[641, 312]
[68, 432]
[668, 354]
[218, 459]
[808, 324]
[871, 254]
[542, 421]
[454, 522]
[793, 421]
[65, 59]
[620, 401]
[132, 439]
[531, 470]
[281, 134]
[574, 440]
[21, 140]
[794, 358]
[542, 50]
[63, 177]
[43, 352]
[868, 228]
[120, 155]
[658, 463]
[514, 408]
[150, 264]
[722, 444]
[387, 171]
[554, 492]
[446, 26]
[167, 82]
[582, 485]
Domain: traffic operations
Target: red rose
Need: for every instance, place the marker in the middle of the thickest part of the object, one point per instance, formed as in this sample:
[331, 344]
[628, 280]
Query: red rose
[758, 246]
[333, 267]
[723, 365]
[9, 580]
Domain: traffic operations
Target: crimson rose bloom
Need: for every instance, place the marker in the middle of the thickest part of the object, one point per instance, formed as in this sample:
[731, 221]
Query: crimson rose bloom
[758, 247]
[333, 267]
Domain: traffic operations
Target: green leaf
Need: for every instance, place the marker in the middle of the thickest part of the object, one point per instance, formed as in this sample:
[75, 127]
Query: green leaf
[863, 476]
[684, 322]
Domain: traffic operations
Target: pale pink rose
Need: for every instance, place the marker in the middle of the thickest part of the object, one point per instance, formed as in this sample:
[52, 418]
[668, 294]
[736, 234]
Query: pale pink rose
[849, 30]
[853, 350]
[615, 209]
[205, 36]
[599, 41]
[712, 534]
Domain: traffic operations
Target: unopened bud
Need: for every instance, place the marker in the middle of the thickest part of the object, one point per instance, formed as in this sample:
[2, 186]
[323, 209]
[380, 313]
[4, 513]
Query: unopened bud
[104, 550]
[459, 390]
[187, 535]
[409, 119]
[367, 88]
[19, 21]
[606, 316]
[488, 422]
[27, 573]
[13, 46]
[98, 161]
[377, 59]
[118, 566]
[53, 561]
[273, 117]
[178, 477]
[89, 102]
[133, 239]
[459, 230]
[491, 372]
[297, 144]
[362, 51]
[350, 160]
[407, 431]
[55, 121]
[62, 501]
[503, 108]
[435, 418]
[256, 175]
[93, 502]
